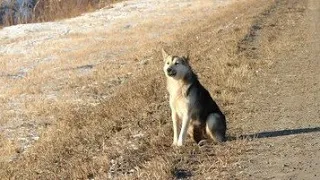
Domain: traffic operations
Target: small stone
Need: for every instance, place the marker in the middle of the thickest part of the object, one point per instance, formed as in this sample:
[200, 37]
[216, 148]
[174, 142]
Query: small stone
[19, 150]
[144, 62]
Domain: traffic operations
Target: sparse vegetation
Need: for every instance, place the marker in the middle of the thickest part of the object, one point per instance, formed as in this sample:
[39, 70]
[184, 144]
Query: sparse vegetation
[114, 122]
[125, 132]
[30, 11]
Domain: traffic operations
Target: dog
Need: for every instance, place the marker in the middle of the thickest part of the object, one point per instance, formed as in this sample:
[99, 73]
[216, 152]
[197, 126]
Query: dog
[191, 103]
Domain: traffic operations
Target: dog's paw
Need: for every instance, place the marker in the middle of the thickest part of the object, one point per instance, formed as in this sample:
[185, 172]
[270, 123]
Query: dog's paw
[179, 144]
[174, 144]
[202, 142]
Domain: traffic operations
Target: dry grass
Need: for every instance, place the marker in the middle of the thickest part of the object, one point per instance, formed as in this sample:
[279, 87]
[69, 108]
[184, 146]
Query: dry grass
[8, 148]
[125, 132]
[51, 10]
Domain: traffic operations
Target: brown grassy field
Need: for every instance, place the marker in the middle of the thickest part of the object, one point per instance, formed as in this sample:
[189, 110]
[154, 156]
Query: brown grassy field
[121, 128]
[50, 10]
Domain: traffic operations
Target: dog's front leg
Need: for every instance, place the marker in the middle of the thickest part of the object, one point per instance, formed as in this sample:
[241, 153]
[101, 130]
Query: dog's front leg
[175, 118]
[184, 129]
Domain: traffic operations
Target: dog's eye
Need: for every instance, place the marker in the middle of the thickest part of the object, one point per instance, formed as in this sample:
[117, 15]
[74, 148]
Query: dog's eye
[176, 63]
[168, 63]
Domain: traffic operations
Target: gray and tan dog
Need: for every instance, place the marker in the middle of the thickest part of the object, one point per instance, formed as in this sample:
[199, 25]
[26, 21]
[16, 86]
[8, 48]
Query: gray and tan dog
[191, 103]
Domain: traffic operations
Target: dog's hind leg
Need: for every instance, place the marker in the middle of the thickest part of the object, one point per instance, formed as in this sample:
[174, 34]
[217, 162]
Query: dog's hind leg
[216, 127]
[196, 131]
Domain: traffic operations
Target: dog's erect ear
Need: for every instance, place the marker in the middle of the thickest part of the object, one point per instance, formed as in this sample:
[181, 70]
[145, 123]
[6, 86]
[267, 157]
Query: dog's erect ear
[164, 54]
[187, 58]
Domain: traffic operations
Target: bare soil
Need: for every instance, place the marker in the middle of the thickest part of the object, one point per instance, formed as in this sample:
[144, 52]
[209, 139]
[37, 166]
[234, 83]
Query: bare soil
[98, 104]
[283, 111]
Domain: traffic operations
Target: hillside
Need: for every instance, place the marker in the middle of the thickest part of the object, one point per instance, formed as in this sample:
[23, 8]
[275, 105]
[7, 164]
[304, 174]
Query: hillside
[85, 97]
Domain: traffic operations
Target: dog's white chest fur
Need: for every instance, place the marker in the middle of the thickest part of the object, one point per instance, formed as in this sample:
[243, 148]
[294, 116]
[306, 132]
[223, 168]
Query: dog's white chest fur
[179, 101]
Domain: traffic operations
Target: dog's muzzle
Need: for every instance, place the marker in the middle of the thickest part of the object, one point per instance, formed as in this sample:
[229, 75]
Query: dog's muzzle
[171, 72]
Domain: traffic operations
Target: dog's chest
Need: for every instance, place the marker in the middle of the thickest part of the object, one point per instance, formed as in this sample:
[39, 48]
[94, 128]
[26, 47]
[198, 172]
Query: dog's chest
[179, 101]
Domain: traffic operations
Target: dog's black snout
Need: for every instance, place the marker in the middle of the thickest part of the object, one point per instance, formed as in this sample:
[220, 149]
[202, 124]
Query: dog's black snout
[171, 71]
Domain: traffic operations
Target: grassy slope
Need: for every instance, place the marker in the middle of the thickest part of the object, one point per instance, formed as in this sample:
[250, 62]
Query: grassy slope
[47, 10]
[129, 136]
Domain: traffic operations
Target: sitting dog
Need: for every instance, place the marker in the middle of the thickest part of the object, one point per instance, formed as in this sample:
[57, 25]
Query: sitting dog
[191, 103]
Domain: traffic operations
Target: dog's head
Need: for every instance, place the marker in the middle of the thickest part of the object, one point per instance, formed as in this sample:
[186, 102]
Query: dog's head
[174, 66]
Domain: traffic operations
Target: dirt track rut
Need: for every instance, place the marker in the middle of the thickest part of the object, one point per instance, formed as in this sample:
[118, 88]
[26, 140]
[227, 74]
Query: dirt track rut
[285, 99]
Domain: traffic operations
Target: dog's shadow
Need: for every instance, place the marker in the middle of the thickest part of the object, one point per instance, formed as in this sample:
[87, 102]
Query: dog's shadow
[268, 134]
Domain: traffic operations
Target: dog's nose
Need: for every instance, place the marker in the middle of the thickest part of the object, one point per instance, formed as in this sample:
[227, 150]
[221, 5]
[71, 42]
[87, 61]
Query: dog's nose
[169, 70]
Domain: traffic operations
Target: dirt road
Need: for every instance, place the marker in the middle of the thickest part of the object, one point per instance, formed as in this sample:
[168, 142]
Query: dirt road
[96, 94]
[285, 99]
